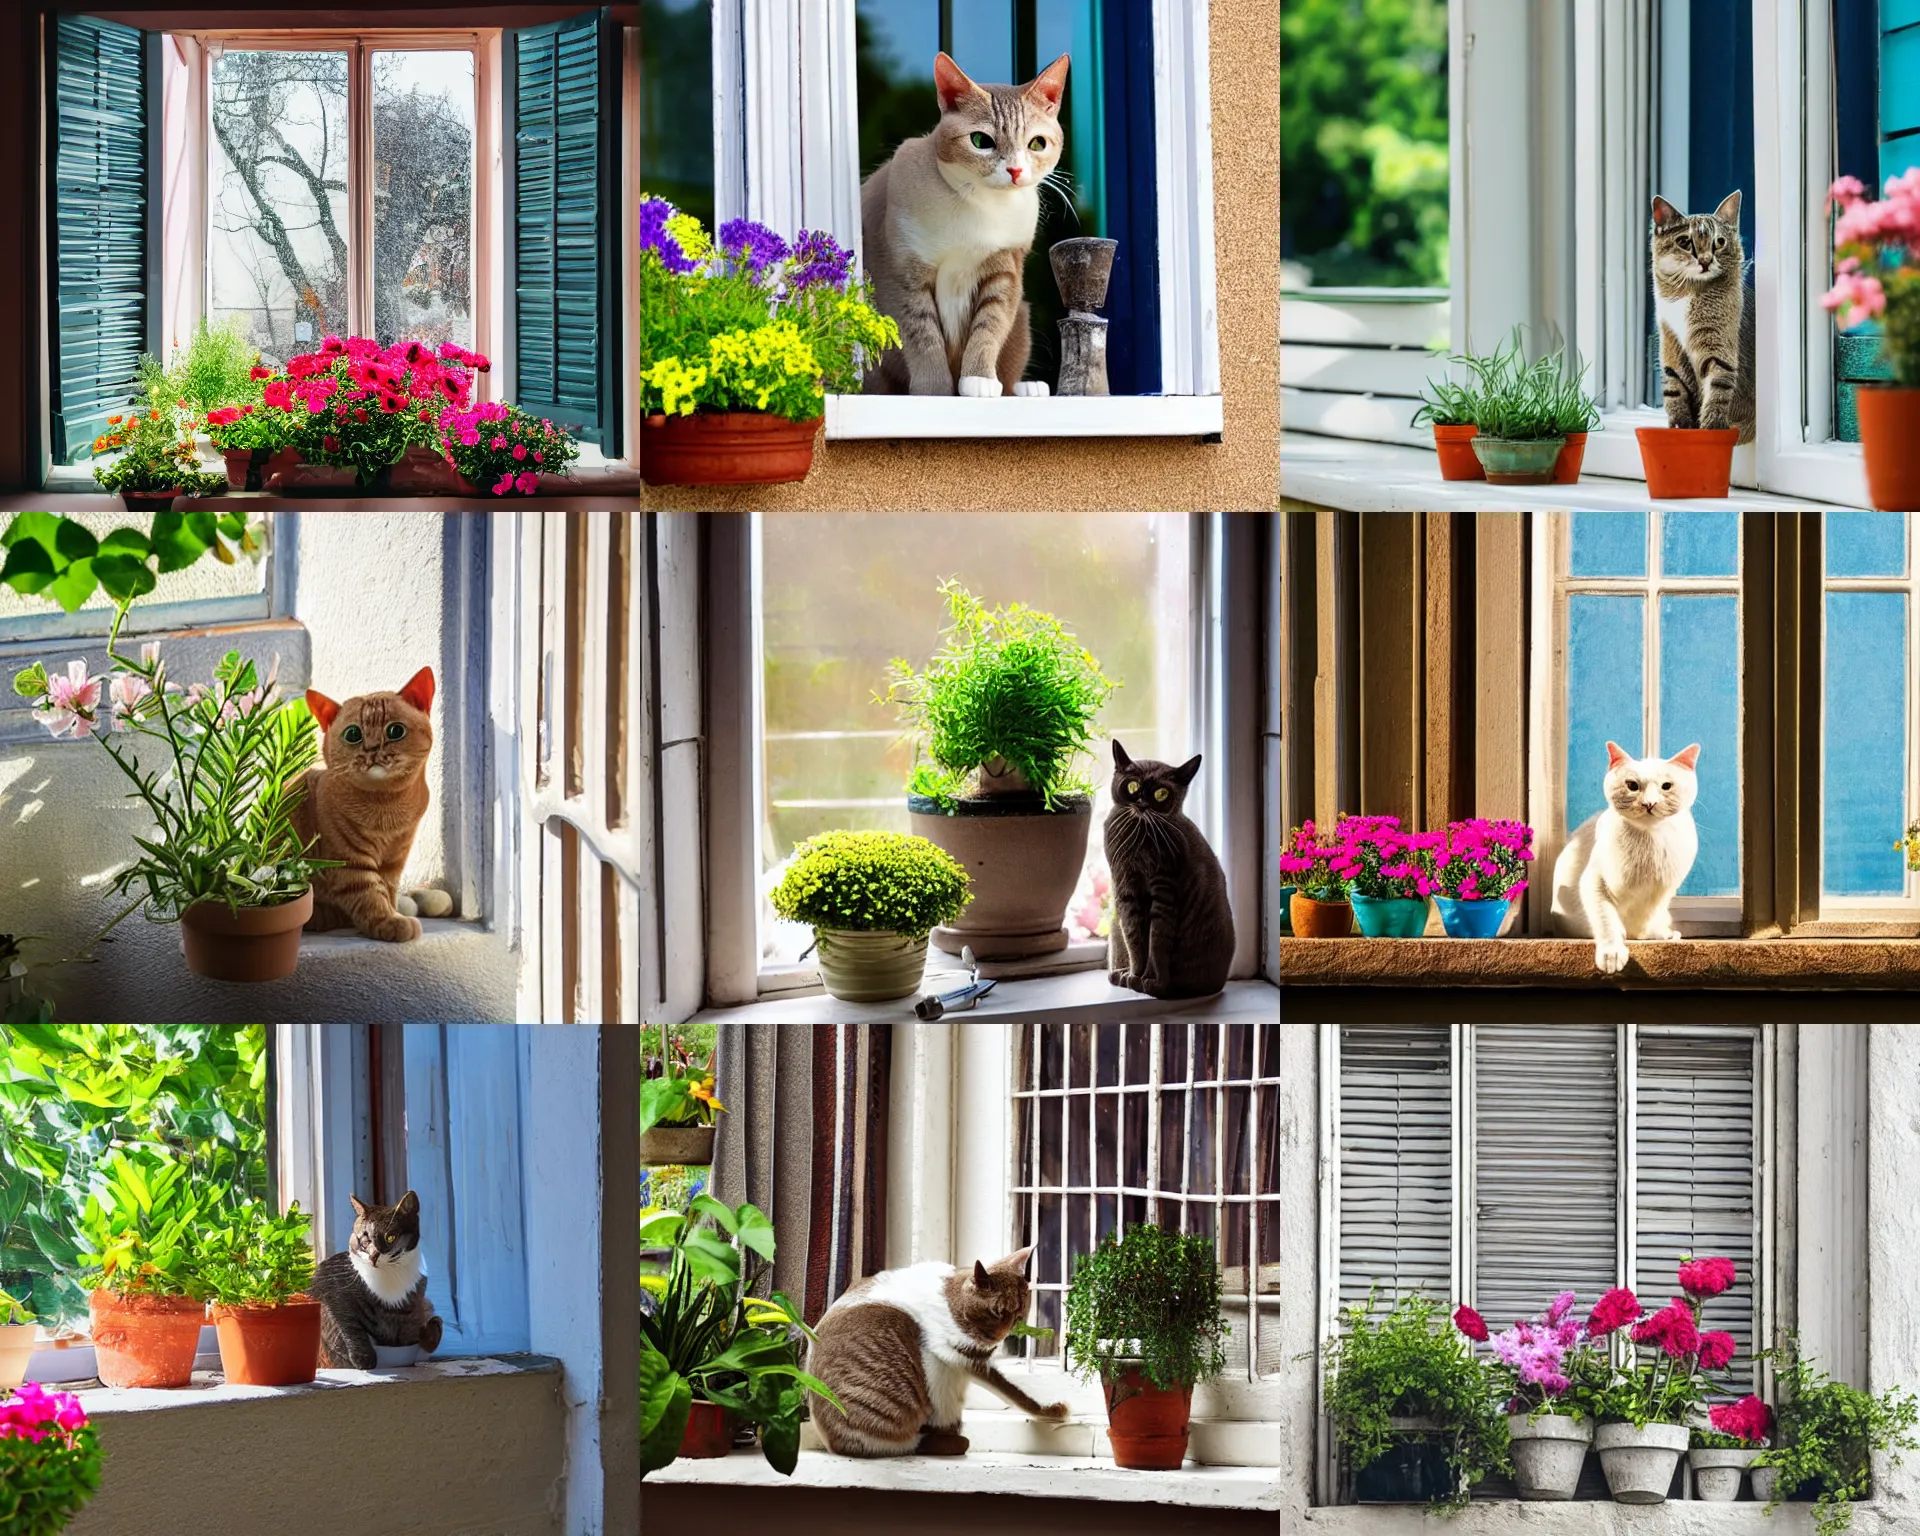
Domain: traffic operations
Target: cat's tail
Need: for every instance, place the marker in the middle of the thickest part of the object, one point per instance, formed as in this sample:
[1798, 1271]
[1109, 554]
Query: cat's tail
[424, 901]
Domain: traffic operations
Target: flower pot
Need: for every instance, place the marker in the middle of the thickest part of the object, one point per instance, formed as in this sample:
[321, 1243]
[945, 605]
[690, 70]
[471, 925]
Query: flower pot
[1716, 1474]
[1548, 1453]
[1320, 919]
[1148, 1425]
[1022, 862]
[869, 967]
[1890, 438]
[1412, 1470]
[16, 1349]
[301, 475]
[394, 1357]
[1457, 458]
[708, 1434]
[269, 1346]
[677, 1146]
[1518, 461]
[1685, 463]
[1763, 1481]
[1286, 910]
[1566, 468]
[423, 471]
[1472, 919]
[145, 1341]
[250, 944]
[1082, 268]
[151, 501]
[1390, 917]
[1640, 1463]
[257, 469]
[725, 448]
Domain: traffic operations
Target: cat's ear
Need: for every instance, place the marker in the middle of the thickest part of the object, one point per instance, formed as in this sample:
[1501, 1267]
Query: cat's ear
[1120, 758]
[1050, 85]
[1687, 756]
[1615, 757]
[951, 83]
[1185, 772]
[1728, 212]
[980, 1276]
[409, 1204]
[323, 708]
[359, 1205]
[1023, 1260]
[1664, 212]
[419, 690]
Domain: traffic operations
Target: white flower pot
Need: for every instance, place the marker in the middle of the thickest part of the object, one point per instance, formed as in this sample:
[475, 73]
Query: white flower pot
[1763, 1480]
[1640, 1463]
[1548, 1453]
[387, 1357]
[1716, 1474]
[677, 1146]
[16, 1349]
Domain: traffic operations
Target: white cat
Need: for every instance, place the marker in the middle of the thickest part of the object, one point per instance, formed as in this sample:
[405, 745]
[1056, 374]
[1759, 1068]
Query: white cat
[1618, 872]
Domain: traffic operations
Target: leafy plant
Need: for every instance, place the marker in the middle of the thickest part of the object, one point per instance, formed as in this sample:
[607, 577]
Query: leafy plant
[503, 449]
[14, 1313]
[1010, 691]
[253, 1258]
[139, 1224]
[681, 1094]
[353, 402]
[1828, 1434]
[49, 1461]
[156, 453]
[62, 559]
[218, 366]
[1444, 403]
[1508, 397]
[872, 882]
[1148, 1295]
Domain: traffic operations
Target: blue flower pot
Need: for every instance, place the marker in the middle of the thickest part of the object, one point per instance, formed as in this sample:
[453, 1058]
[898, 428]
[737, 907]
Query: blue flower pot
[1472, 919]
[1286, 910]
[1390, 917]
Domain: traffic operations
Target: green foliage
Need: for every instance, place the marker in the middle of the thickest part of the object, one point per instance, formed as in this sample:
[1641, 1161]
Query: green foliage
[44, 1483]
[14, 1312]
[1827, 1434]
[156, 453]
[1508, 397]
[214, 368]
[1656, 1390]
[872, 882]
[1009, 690]
[1411, 1362]
[139, 1226]
[60, 557]
[252, 1258]
[1148, 1295]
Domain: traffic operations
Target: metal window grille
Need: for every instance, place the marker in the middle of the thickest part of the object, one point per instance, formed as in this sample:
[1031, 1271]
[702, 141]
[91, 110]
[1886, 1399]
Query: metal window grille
[1174, 1124]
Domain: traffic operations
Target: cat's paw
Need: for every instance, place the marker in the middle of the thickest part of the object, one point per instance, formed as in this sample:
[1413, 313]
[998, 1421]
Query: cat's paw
[972, 387]
[1124, 979]
[1611, 959]
[1055, 1413]
[943, 1442]
[398, 929]
[430, 1335]
[1032, 389]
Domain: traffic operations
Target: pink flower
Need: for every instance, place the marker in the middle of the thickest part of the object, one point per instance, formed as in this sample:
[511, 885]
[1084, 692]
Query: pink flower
[1716, 1349]
[1613, 1311]
[527, 483]
[1846, 191]
[1749, 1419]
[519, 450]
[126, 693]
[71, 702]
[1704, 1278]
[498, 442]
[1682, 1335]
[1470, 1323]
[505, 486]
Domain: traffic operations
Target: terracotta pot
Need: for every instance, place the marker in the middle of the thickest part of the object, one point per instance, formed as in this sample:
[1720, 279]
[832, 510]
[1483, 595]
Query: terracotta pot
[299, 475]
[269, 1346]
[423, 472]
[869, 967]
[257, 469]
[677, 1146]
[1566, 469]
[725, 448]
[1023, 863]
[1147, 1424]
[16, 1349]
[1457, 458]
[151, 501]
[1890, 437]
[708, 1433]
[251, 944]
[1687, 463]
[1320, 919]
[145, 1341]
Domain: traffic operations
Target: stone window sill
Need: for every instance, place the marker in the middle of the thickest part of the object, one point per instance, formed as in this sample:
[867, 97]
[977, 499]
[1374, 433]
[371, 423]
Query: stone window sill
[1735, 964]
[210, 1388]
[1496, 1517]
[1074, 996]
[893, 417]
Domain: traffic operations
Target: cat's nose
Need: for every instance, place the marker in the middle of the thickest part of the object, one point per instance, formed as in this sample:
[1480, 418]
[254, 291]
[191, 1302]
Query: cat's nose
[1013, 171]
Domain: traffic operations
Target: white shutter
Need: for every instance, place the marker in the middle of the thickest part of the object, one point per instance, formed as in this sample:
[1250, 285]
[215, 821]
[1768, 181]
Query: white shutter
[1545, 1166]
[1396, 1161]
[1695, 1179]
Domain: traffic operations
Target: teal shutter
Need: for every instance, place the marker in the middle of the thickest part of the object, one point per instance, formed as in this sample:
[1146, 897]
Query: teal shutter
[105, 217]
[564, 226]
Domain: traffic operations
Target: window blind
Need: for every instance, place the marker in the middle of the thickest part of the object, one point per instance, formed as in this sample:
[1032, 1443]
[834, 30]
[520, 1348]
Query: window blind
[1395, 1161]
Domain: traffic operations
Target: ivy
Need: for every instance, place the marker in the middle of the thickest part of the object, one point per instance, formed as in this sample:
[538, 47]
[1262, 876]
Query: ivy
[1828, 1434]
[62, 560]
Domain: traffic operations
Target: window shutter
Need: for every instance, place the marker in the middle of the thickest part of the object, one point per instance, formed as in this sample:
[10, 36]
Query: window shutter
[1546, 1166]
[1396, 1161]
[565, 225]
[1694, 1178]
[103, 213]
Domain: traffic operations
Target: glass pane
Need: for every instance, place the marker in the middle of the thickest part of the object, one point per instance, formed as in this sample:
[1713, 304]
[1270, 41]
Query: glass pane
[983, 40]
[1608, 544]
[1700, 543]
[277, 248]
[1050, 1143]
[1107, 1218]
[1046, 1263]
[1173, 1130]
[1108, 1047]
[1173, 1052]
[1080, 1054]
[1699, 658]
[1605, 668]
[1133, 1145]
[1866, 543]
[423, 196]
[1236, 1140]
[1200, 1142]
[1079, 1172]
[1106, 1139]
[1864, 757]
[676, 89]
[1079, 1228]
[1139, 1048]
[1206, 1053]
[1052, 1042]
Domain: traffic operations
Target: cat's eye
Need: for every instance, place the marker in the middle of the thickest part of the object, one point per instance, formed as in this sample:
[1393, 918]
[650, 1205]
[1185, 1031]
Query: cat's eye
[1719, 243]
[980, 140]
[395, 731]
[353, 734]
[1667, 786]
[1159, 794]
[1633, 784]
[1133, 786]
[1036, 144]
[1685, 243]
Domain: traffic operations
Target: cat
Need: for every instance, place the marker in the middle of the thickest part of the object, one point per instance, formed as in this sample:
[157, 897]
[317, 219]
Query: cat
[365, 805]
[900, 1348]
[1619, 870]
[1172, 933]
[1706, 323]
[375, 1291]
[947, 224]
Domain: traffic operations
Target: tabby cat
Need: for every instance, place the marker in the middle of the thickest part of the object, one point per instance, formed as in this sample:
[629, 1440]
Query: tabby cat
[375, 1292]
[1706, 323]
[900, 1348]
[947, 224]
[1172, 933]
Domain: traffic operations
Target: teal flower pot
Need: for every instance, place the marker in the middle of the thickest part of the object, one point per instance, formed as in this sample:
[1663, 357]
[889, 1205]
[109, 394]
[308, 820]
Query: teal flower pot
[1472, 919]
[1390, 917]
[1518, 461]
[1286, 910]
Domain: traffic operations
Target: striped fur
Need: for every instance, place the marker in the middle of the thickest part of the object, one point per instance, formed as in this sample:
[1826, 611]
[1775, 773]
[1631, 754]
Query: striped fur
[1706, 323]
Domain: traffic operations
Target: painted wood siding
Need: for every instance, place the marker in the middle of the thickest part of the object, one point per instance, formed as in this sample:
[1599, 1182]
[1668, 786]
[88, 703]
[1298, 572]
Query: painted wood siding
[1353, 361]
[1395, 1158]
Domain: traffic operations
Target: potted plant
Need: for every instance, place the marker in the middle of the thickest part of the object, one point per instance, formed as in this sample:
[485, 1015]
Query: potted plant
[257, 440]
[1828, 1433]
[1143, 1315]
[742, 336]
[1477, 870]
[1385, 875]
[1413, 1407]
[146, 1298]
[711, 1354]
[224, 859]
[1877, 277]
[1549, 1371]
[872, 898]
[1568, 408]
[677, 1109]
[1450, 409]
[49, 1461]
[1318, 904]
[17, 1333]
[1000, 718]
[1520, 439]
[502, 450]
[256, 1267]
[1721, 1455]
[156, 462]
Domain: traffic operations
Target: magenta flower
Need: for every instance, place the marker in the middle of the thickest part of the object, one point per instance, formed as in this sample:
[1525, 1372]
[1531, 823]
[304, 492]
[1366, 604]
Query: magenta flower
[1749, 1419]
[1705, 1278]
[72, 702]
[1613, 1311]
[1716, 1350]
[1470, 1323]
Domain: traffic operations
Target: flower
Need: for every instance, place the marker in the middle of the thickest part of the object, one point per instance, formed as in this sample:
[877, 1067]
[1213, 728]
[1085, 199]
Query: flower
[1704, 1278]
[125, 693]
[818, 261]
[751, 244]
[1716, 1350]
[71, 702]
[1613, 1311]
[1749, 1419]
[33, 1413]
[656, 237]
[703, 1091]
[1471, 1324]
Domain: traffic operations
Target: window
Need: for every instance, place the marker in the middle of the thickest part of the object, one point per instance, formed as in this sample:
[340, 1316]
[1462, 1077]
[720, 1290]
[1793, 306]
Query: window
[676, 72]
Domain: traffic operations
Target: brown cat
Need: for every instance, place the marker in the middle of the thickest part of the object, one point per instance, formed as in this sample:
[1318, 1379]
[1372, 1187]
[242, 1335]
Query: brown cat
[1706, 324]
[1172, 933]
[364, 806]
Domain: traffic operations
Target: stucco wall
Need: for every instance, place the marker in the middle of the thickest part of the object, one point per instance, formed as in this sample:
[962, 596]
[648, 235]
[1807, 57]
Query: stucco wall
[1240, 473]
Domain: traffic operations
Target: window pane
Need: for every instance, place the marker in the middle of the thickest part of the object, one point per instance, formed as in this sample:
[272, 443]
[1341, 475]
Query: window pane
[423, 196]
[1608, 544]
[1866, 543]
[1699, 701]
[676, 98]
[1700, 543]
[277, 251]
[1864, 758]
[1605, 649]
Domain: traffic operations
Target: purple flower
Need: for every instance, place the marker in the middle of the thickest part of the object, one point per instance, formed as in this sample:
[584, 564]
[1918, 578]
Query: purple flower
[818, 260]
[753, 244]
[655, 237]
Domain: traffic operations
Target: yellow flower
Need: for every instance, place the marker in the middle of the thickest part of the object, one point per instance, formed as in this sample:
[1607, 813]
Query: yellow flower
[703, 1091]
[677, 382]
[692, 239]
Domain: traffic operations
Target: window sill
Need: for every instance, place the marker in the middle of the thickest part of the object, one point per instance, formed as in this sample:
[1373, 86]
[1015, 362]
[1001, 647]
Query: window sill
[1770, 964]
[1597, 1517]
[609, 493]
[852, 417]
[1075, 996]
[210, 1388]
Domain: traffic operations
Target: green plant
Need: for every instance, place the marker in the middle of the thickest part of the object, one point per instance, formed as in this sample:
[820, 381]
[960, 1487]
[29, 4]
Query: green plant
[1513, 399]
[64, 560]
[156, 453]
[49, 1461]
[250, 1257]
[872, 882]
[1443, 403]
[681, 1094]
[1010, 690]
[1409, 1362]
[1148, 1295]
[218, 366]
[1828, 1434]
[14, 1313]
[139, 1225]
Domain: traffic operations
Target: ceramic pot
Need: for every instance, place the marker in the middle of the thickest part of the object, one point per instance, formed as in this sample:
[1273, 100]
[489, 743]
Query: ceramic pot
[422, 471]
[869, 967]
[1412, 1470]
[1640, 1463]
[269, 1346]
[250, 944]
[145, 1341]
[726, 448]
[1518, 461]
[1548, 1453]
[1320, 919]
[1148, 1425]
[1022, 862]
[1763, 1481]
[393, 1357]
[1716, 1474]
[1390, 917]
[1890, 439]
[1472, 919]
[677, 1146]
[151, 501]
[257, 469]
[1566, 468]
[16, 1349]
[1286, 910]
[313, 479]
[1457, 458]
[1687, 463]
[708, 1434]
